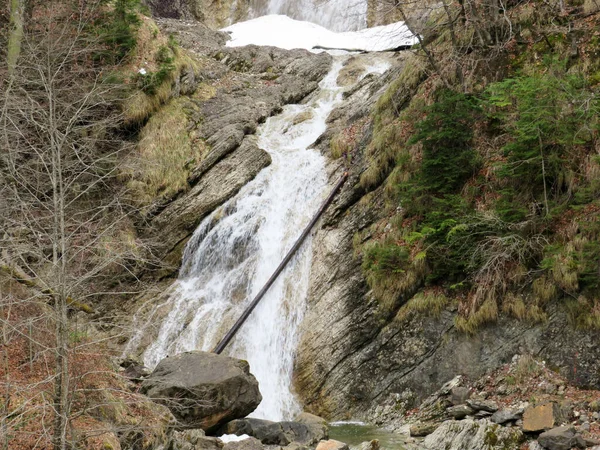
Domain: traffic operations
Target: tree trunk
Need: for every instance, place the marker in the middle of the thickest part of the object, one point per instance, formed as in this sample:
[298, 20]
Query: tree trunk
[15, 38]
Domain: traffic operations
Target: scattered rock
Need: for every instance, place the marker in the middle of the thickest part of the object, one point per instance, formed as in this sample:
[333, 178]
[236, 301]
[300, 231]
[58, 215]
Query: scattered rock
[459, 395]
[585, 426]
[460, 411]
[561, 438]
[245, 444]
[535, 445]
[372, 445]
[193, 440]
[483, 405]
[332, 444]
[204, 390]
[423, 429]
[541, 417]
[591, 442]
[506, 415]
[473, 435]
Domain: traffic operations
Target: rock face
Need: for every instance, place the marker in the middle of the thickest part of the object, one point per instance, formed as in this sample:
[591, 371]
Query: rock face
[246, 85]
[203, 390]
[473, 435]
[357, 356]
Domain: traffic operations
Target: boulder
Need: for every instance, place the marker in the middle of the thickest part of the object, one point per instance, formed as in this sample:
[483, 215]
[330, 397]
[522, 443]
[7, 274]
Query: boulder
[423, 429]
[370, 445]
[473, 435]
[193, 440]
[506, 415]
[278, 433]
[332, 444]
[459, 395]
[561, 438]
[541, 417]
[245, 444]
[203, 390]
[460, 411]
[479, 404]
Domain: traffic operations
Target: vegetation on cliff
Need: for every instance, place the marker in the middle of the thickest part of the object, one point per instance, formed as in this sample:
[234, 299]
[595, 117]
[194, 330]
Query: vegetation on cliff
[486, 147]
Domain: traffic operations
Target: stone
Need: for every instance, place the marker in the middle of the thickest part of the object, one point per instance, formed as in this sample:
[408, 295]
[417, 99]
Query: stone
[483, 405]
[318, 427]
[245, 444]
[460, 411]
[332, 444]
[459, 395]
[473, 435]
[541, 417]
[585, 426]
[506, 415]
[594, 406]
[370, 445]
[596, 415]
[423, 429]
[589, 442]
[193, 440]
[203, 390]
[561, 438]
[535, 445]
[279, 433]
[295, 446]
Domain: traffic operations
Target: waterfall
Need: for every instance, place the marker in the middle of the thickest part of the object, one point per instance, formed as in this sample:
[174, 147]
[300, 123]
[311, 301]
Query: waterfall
[235, 250]
[336, 15]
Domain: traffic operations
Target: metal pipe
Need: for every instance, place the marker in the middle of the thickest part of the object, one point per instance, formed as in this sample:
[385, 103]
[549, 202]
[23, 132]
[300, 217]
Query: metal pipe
[236, 327]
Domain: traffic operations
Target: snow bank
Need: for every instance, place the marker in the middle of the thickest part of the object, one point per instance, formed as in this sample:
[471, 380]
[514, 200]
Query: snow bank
[281, 31]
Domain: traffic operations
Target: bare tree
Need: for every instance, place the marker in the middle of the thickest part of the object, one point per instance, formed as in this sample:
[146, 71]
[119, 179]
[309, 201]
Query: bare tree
[61, 212]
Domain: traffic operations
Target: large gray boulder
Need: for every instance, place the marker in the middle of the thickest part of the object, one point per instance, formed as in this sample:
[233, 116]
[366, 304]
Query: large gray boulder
[204, 390]
[279, 433]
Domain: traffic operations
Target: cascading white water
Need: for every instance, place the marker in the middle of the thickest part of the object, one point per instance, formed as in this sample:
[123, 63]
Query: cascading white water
[237, 248]
[335, 15]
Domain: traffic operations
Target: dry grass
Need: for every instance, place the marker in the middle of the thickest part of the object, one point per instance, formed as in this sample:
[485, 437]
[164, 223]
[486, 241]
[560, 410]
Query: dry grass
[487, 313]
[139, 106]
[165, 155]
[426, 302]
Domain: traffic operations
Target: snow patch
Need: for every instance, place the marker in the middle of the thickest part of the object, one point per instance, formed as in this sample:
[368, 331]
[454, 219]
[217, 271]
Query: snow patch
[283, 32]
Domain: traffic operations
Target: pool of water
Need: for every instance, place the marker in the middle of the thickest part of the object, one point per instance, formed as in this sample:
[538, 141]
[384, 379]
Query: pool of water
[355, 433]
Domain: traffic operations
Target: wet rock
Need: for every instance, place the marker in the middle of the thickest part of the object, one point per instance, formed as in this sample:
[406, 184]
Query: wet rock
[460, 395]
[561, 438]
[279, 433]
[332, 444]
[506, 415]
[203, 390]
[318, 427]
[423, 429]
[541, 417]
[473, 435]
[483, 405]
[372, 445]
[460, 411]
